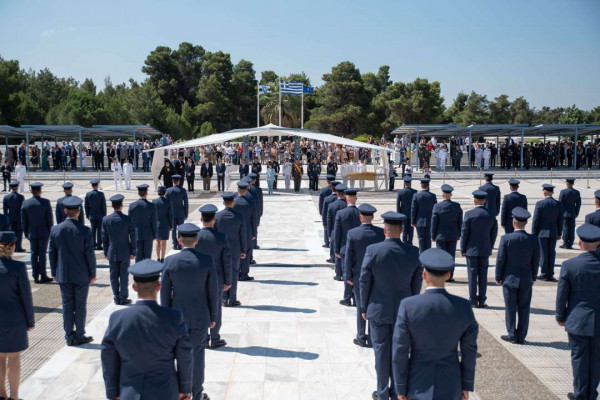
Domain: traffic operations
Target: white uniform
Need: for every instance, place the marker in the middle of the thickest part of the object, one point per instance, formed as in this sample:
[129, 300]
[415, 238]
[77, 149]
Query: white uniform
[478, 157]
[127, 171]
[443, 154]
[487, 154]
[287, 173]
[115, 167]
[344, 172]
[360, 168]
[351, 170]
[20, 173]
[227, 176]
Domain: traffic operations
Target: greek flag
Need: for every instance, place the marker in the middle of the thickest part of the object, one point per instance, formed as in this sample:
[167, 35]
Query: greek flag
[309, 89]
[263, 89]
[291, 87]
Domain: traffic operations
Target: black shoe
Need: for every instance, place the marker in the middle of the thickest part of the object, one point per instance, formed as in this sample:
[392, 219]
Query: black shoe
[330, 260]
[346, 303]
[205, 396]
[474, 304]
[374, 396]
[20, 251]
[451, 280]
[100, 248]
[338, 278]
[326, 246]
[520, 341]
[234, 303]
[219, 343]
[482, 305]
[246, 278]
[44, 279]
[550, 279]
[507, 338]
[571, 396]
[257, 247]
[359, 343]
[542, 277]
[82, 341]
[253, 262]
[125, 302]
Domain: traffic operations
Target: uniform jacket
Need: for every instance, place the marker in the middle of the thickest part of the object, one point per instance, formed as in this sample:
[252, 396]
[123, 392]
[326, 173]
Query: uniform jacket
[118, 237]
[60, 211]
[591, 218]
[446, 220]
[139, 348]
[332, 210]
[16, 302]
[345, 220]
[493, 197]
[323, 193]
[357, 241]
[36, 218]
[547, 218]
[12, 204]
[257, 195]
[478, 233]
[164, 212]
[95, 205]
[71, 252]
[509, 203]
[570, 200]
[422, 209]
[179, 201]
[4, 223]
[189, 284]
[190, 171]
[404, 199]
[390, 272]
[244, 206]
[233, 225]
[518, 259]
[215, 244]
[143, 215]
[327, 201]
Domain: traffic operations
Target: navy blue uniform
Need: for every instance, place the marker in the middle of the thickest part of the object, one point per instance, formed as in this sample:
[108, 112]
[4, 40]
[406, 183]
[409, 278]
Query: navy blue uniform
[189, 284]
[59, 212]
[345, 220]
[73, 265]
[420, 216]
[143, 215]
[477, 237]
[179, 201]
[404, 199]
[324, 215]
[390, 272]
[36, 219]
[245, 206]
[509, 203]
[164, 217]
[118, 241]
[233, 225]
[547, 224]
[593, 218]
[516, 267]
[446, 222]
[427, 331]
[139, 348]
[323, 194]
[492, 201]
[16, 306]
[12, 204]
[578, 306]
[95, 210]
[570, 200]
[332, 210]
[257, 196]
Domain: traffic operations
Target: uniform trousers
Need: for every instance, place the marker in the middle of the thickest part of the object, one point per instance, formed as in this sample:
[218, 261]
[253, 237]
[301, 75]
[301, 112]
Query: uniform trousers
[96, 225]
[547, 256]
[287, 180]
[408, 232]
[450, 247]
[381, 338]
[477, 270]
[517, 302]
[119, 280]
[361, 324]
[199, 339]
[339, 272]
[392, 182]
[143, 250]
[585, 360]
[214, 332]
[15, 226]
[245, 263]
[231, 294]
[39, 248]
[297, 182]
[568, 231]
[424, 235]
[325, 237]
[74, 302]
[176, 222]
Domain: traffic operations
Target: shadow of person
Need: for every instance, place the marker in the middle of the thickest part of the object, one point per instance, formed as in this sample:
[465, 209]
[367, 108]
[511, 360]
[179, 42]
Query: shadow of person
[260, 351]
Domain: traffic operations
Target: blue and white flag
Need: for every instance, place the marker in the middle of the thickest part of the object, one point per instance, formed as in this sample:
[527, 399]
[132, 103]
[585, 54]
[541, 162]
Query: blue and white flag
[263, 89]
[309, 89]
[291, 87]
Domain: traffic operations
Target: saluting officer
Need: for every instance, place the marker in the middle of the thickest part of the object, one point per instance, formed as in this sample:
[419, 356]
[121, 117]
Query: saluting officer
[323, 194]
[143, 215]
[404, 200]
[179, 201]
[36, 219]
[516, 269]
[570, 200]
[332, 210]
[189, 284]
[59, 212]
[95, 210]
[390, 272]
[357, 241]
[421, 212]
[578, 310]
[233, 225]
[345, 219]
[245, 206]
[429, 329]
[12, 204]
[142, 343]
[446, 223]
[594, 217]
[477, 236]
[215, 244]
[118, 242]
[324, 216]
[510, 202]
[547, 225]
[493, 194]
[73, 266]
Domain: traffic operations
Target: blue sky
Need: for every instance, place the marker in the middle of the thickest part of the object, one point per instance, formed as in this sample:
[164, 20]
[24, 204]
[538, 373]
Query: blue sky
[545, 50]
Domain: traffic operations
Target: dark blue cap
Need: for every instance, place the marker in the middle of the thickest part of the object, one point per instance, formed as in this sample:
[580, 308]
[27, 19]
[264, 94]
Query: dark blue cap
[521, 214]
[146, 270]
[589, 233]
[228, 195]
[393, 218]
[8, 237]
[188, 230]
[447, 188]
[367, 209]
[94, 181]
[340, 187]
[117, 198]
[407, 178]
[252, 175]
[597, 194]
[72, 202]
[480, 194]
[242, 184]
[548, 187]
[330, 177]
[142, 187]
[176, 176]
[161, 188]
[247, 179]
[437, 260]
[209, 209]
[14, 182]
[570, 179]
[351, 191]
[489, 174]
[67, 185]
[334, 183]
[36, 185]
[425, 180]
[514, 182]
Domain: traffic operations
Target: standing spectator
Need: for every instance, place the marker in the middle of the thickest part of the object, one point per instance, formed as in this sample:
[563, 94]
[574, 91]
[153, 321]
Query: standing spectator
[270, 176]
[206, 172]
[167, 172]
[228, 168]
[127, 172]
[117, 170]
[221, 168]
[190, 174]
[297, 172]
[287, 172]
[6, 171]
[20, 173]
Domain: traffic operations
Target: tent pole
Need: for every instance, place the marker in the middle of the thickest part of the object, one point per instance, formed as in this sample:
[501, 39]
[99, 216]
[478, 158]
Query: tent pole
[80, 148]
[574, 150]
[418, 145]
[522, 145]
[27, 149]
[469, 147]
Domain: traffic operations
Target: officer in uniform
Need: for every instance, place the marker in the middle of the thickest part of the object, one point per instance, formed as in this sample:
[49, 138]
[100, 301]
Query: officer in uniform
[12, 204]
[345, 219]
[332, 168]
[446, 222]
[314, 170]
[493, 194]
[323, 194]
[510, 202]
[577, 306]
[179, 201]
[118, 242]
[232, 224]
[143, 215]
[36, 219]
[390, 272]
[244, 206]
[404, 199]
[421, 212]
[428, 331]
[189, 284]
[60, 209]
[95, 210]
[570, 200]
[547, 225]
[324, 213]
[73, 266]
[357, 241]
[594, 217]
[477, 236]
[332, 210]
[257, 195]
[164, 222]
[215, 244]
[142, 343]
[516, 269]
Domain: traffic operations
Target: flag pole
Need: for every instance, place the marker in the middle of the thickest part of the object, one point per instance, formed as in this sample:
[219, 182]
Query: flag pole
[302, 110]
[280, 102]
[257, 105]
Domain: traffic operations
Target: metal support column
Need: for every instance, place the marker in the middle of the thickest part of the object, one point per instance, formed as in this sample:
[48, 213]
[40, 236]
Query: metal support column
[80, 151]
[26, 149]
[522, 145]
[469, 148]
[297, 147]
[575, 149]
[245, 153]
[497, 149]
[417, 157]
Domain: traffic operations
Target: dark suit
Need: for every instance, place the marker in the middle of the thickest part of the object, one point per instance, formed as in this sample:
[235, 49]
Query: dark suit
[425, 359]
[221, 167]
[345, 220]
[390, 272]
[36, 219]
[59, 212]
[493, 197]
[73, 264]
[12, 204]
[118, 242]
[233, 225]
[323, 194]
[570, 200]
[143, 215]
[179, 201]
[190, 285]
[420, 216]
[404, 199]
[244, 206]
[547, 225]
[516, 267]
[206, 172]
[578, 306]
[190, 175]
[244, 170]
[477, 237]
[138, 350]
[509, 203]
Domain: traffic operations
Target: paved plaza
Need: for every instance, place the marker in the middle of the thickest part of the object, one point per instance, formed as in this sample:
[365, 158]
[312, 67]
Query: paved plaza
[291, 338]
